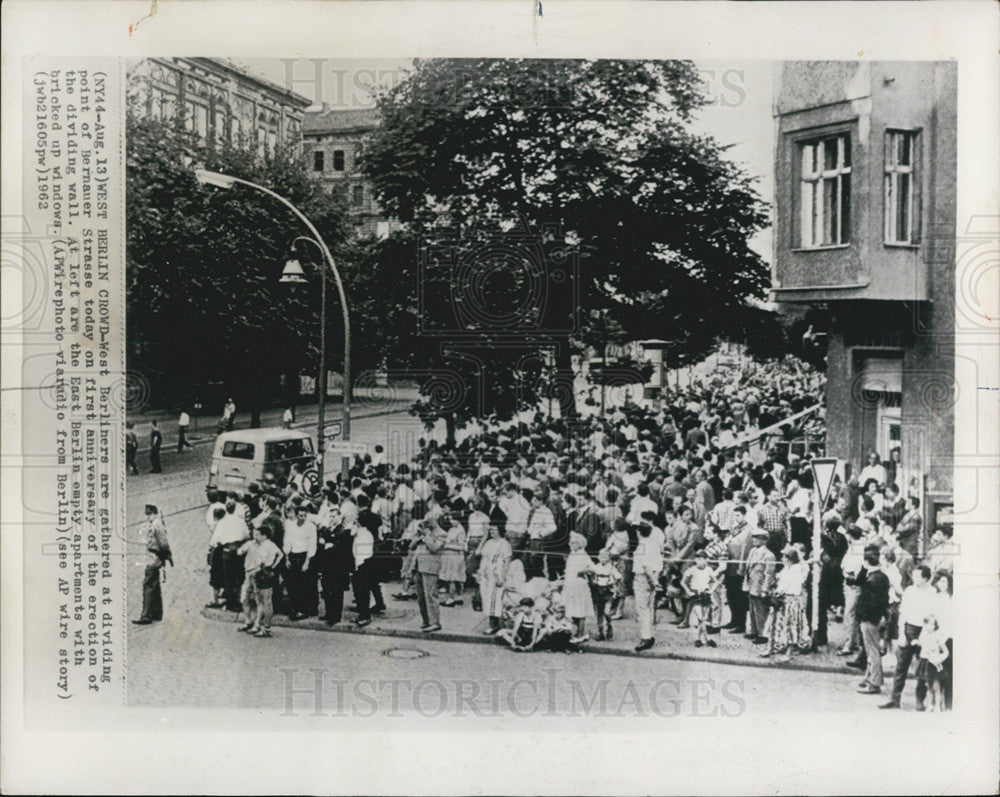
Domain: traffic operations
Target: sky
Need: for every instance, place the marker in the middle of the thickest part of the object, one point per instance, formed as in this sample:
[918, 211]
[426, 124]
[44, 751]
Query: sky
[738, 113]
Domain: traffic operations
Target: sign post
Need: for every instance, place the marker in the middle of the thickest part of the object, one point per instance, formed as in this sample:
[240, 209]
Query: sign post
[824, 471]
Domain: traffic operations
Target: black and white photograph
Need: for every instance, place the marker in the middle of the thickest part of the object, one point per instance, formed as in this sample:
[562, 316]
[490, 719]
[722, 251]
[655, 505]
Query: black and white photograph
[510, 397]
[604, 381]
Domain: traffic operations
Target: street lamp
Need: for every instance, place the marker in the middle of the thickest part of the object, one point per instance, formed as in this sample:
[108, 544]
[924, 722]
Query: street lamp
[293, 274]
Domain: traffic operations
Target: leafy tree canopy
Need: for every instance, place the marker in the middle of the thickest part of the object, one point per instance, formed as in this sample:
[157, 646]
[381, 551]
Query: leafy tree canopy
[519, 170]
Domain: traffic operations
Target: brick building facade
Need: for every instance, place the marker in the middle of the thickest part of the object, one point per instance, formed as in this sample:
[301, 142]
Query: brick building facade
[865, 184]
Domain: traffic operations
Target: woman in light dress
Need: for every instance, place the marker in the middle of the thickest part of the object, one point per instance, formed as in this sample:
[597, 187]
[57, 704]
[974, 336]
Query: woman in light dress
[576, 589]
[788, 626]
[493, 574]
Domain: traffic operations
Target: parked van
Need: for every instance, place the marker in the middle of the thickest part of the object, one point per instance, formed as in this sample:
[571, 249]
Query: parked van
[248, 455]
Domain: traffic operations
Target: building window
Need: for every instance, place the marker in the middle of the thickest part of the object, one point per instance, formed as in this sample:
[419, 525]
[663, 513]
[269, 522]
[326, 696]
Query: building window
[220, 126]
[899, 189]
[358, 196]
[318, 160]
[338, 160]
[825, 185]
[201, 122]
[156, 104]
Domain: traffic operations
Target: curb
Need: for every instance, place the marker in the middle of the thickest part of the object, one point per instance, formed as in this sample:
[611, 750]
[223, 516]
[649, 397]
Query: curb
[279, 621]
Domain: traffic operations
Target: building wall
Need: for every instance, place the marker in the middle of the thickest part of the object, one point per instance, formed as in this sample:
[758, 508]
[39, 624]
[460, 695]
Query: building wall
[863, 101]
[883, 300]
[219, 101]
[341, 134]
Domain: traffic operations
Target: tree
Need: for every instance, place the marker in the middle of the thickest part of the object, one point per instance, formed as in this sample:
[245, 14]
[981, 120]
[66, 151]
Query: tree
[206, 315]
[517, 172]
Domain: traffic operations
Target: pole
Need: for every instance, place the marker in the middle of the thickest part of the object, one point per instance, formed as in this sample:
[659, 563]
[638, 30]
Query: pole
[328, 258]
[816, 551]
[321, 401]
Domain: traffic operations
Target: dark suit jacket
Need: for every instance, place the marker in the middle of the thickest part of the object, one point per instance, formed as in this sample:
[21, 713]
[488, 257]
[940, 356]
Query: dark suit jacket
[592, 525]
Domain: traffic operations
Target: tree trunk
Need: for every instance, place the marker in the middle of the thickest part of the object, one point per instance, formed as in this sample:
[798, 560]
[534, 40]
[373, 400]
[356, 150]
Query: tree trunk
[566, 382]
[449, 429]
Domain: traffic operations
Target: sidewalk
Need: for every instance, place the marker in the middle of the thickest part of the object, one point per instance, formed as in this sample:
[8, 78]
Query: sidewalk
[305, 419]
[462, 624]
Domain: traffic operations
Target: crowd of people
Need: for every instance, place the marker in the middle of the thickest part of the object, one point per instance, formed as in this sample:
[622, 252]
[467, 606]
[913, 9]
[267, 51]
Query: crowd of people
[548, 524]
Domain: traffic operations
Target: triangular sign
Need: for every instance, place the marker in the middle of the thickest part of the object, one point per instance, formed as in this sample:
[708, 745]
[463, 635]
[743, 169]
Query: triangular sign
[824, 471]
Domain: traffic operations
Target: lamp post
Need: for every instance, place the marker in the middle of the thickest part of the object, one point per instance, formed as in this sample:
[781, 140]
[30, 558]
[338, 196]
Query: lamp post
[293, 274]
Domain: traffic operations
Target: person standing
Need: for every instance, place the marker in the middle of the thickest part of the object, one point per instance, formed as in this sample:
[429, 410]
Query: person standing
[157, 555]
[737, 549]
[155, 444]
[229, 415]
[492, 575]
[853, 568]
[131, 448]
[540, 525]
[182, 426]
[230, 532]
[363, 549]
[917, 604]
[789, 626]
[336, 560]
[773, 518]
[287, 418]
[759, 583]
[647, 563]
[576, 591]
[260, 562]
[833, 547]
[427, 549]
[871, 609]
[908, 529]
[300, 548]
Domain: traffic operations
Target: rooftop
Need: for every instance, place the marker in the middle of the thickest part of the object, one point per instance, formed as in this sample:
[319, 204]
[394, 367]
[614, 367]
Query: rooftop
[329, 120]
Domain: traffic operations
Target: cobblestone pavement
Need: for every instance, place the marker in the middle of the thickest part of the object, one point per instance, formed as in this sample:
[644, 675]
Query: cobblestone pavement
[191, 659]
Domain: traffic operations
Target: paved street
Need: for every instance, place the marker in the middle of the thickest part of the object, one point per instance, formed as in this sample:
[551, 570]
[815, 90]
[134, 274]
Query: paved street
[189, 659]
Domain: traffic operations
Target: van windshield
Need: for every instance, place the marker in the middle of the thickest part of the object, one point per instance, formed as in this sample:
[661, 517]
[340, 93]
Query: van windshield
[236, 450]
[281, 450]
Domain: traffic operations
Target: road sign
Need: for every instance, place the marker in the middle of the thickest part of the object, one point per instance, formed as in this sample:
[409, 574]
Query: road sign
[333, 429]
[824, 470]
[310, 481]
[345, 448]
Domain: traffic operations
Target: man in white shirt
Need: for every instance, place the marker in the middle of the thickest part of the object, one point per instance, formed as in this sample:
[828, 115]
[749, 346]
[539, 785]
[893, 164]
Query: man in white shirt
[421, 488]
[214, 502]
[363, 549]
[541, 524]
[647, 563]
[182, 426]
[230, 532]
[641, 503]
[919, 601]
[300, 548]
[513, 505]
[873, 470]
